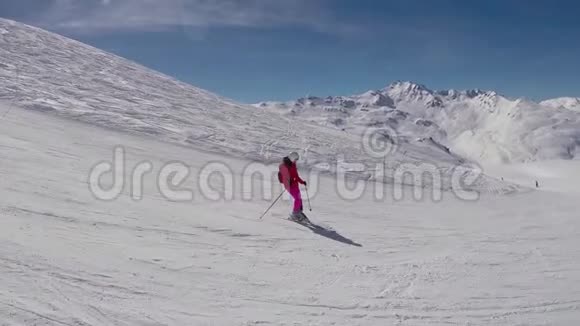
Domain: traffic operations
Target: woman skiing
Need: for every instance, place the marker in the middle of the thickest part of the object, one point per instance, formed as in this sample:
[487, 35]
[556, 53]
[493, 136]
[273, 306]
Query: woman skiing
[288, 175]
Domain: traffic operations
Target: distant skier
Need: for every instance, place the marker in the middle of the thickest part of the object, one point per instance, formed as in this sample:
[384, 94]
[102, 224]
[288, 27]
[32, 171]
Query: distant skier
[537, 184]
[288, 175]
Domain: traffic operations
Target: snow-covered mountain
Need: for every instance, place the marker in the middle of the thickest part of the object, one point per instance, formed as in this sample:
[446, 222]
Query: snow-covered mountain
[47, 72]
[570, 103]
[482, 125]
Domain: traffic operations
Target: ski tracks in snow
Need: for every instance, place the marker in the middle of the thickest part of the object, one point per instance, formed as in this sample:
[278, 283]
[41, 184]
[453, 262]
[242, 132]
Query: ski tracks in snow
[69, 259]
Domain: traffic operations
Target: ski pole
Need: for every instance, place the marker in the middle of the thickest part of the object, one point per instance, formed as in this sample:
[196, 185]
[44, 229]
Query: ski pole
[273, 203]
[308, 197]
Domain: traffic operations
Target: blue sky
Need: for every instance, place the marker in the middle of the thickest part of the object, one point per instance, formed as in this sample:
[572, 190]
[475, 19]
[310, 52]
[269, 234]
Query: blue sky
[255, 50]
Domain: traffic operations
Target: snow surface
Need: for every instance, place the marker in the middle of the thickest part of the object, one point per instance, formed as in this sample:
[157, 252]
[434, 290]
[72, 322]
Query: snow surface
[480, 125]
[67, 258]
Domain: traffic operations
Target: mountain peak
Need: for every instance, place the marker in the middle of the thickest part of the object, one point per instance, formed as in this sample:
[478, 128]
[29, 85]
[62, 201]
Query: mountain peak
[472, 93]
[408, 86]
[408, 91]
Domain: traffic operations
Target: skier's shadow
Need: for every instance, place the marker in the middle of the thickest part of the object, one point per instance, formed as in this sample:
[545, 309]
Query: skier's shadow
[330, 234]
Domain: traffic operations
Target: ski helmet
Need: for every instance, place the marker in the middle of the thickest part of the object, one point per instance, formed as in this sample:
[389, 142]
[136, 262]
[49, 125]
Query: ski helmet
[293, 156]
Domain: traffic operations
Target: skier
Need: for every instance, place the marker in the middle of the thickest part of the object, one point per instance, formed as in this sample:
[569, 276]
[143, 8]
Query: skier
[288, 175]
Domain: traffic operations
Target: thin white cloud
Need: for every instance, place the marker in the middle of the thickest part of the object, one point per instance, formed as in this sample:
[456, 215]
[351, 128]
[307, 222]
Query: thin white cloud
[114, 15]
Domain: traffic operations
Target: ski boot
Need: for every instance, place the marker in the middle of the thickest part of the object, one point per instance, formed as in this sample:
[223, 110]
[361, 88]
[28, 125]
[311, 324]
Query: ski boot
[298, 217]
[303, 217]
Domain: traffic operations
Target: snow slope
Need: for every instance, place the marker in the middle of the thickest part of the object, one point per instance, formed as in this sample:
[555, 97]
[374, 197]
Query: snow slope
[46, 72]
[67, 258]
[481, 125]
[559, 176]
